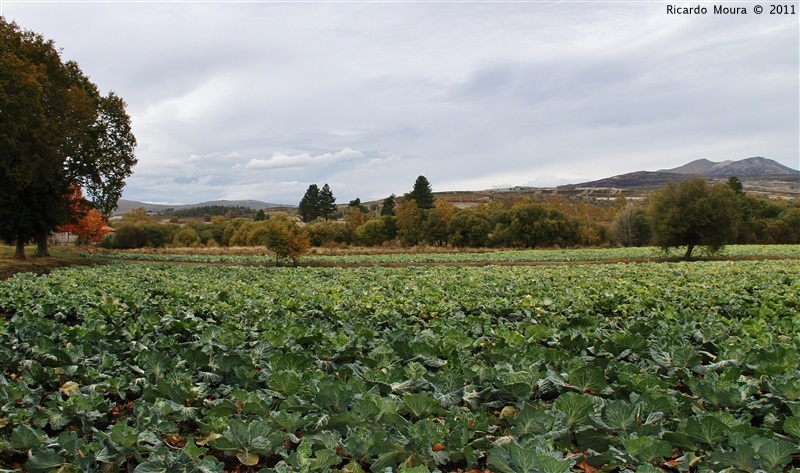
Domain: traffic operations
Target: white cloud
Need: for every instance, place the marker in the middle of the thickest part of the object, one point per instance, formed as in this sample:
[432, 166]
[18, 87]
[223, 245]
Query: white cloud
[303, 160]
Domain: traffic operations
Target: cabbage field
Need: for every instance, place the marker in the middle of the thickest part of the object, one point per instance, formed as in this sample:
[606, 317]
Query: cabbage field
[640, 367]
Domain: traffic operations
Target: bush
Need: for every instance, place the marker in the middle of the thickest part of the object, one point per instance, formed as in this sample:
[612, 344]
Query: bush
[372, 233]
[320, 233]
[186, 237]
[467, 228]
[129, 236]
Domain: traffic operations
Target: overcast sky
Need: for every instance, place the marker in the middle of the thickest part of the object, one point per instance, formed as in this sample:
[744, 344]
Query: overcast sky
[259, 99]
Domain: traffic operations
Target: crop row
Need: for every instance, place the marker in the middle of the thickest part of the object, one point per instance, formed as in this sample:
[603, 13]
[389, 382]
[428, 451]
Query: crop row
[627, 367]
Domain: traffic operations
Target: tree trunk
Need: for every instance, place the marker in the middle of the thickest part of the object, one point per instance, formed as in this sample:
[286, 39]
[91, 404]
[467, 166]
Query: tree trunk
[688, 254]
[20, 251]
[41, 246]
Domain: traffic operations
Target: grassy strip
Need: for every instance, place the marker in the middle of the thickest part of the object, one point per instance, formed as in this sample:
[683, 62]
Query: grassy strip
[70, 255]
[433, 256]
[60, 256]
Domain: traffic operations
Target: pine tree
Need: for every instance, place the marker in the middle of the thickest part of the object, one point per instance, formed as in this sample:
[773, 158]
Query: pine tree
[422, 193]
[327, 203]
[388, 206]
[309, 206]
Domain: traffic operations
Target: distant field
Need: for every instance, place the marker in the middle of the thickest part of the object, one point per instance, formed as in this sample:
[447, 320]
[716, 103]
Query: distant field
[72, 255]
[373, 256]
[646, 367]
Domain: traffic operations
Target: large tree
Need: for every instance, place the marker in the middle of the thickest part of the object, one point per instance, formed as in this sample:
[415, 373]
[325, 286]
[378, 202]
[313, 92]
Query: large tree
[468, 228]
[409, 222]
[309, 204]
[693, 214]
[327, 203]
[285, 239]
[421, 193]
[56, 132]
[533, 224]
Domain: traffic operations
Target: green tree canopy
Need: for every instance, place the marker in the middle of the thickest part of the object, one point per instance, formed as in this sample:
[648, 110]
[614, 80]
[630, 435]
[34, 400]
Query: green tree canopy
[693, 214]
[736, 185]
[533, 225]
[373, 232]
[421, 193]
[356, 204]
[327, 203]
[468, 228]
[388, 206]
[309, 204]
[56, 131]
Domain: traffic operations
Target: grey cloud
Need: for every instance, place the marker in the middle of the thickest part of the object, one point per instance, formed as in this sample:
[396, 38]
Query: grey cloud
[258, 100]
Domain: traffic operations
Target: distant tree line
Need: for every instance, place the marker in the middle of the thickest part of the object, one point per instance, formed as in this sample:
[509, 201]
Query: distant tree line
[207, 211]
[279, 234]
[687, 215]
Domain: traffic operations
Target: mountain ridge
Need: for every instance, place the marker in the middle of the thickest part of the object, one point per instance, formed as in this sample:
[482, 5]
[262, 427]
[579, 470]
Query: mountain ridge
[128, 205]
[754, 167]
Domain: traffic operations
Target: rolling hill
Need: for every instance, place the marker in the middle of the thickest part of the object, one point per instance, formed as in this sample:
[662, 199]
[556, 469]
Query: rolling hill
[756, 169]
[128, 205]
[756, 166]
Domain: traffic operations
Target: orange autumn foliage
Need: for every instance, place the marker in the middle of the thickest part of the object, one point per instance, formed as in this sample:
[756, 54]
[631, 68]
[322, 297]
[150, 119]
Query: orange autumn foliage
[89, 224]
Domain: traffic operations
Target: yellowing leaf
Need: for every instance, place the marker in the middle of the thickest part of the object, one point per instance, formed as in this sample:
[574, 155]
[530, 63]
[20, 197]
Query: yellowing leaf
[69, 387]
[508, 411]
[247, 458]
